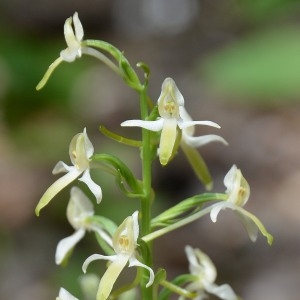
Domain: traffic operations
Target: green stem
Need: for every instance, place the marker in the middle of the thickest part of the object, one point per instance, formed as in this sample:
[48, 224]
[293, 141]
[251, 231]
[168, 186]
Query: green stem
[146, 200]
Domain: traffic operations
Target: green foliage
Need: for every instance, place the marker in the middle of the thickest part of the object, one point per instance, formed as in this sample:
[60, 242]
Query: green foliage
[263, 68]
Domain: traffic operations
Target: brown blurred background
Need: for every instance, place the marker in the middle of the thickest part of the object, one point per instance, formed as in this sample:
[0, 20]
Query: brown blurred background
[237, 62]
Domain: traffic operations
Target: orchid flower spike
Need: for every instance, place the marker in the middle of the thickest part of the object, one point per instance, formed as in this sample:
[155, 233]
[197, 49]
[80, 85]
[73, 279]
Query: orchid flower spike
[173, 116]
[124, 244]
[79, 211]
[65, 295]
[238, 191]
[81, 151]
[201, 266]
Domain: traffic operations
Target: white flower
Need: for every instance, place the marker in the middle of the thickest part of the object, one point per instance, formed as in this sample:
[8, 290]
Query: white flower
[124, 244]
[65, 295]
[79, 210]
[173, 116]
[74, 49]
[73, 39]
[238, 191]
[80, 151]
[201, 266]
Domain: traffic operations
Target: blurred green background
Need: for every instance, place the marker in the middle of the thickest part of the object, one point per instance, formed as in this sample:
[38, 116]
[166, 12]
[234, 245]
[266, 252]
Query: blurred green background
[237, 62]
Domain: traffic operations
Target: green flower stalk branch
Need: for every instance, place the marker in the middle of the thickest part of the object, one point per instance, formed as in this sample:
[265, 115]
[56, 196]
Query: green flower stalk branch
[166, 129]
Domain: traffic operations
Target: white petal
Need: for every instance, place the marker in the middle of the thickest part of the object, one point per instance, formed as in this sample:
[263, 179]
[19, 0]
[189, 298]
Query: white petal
[67, 244]
[61, 167]
[134, 262]
[94, 188]
[78, 27]
[202, 140]
[216, 208]
[69, 33]
[79, 208]
[65, 295]
[68, 54]
[185, 124]
[89, 148]
[150, 125]
[135, 216]
[223, 291]
[55, 188]
[230, 178]
[97, 257]
[249, 225]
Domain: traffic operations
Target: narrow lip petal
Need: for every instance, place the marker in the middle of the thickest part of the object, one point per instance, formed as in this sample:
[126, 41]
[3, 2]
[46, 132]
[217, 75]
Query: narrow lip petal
[185, 124]
[65, 295]
[55, 188]
[134, 262]
[257, 222]
[94, 188]
[150, 125]
[110, 276]
[167, 140]
[67, 244]
[202, 140]
[48, 73]
[97, 257]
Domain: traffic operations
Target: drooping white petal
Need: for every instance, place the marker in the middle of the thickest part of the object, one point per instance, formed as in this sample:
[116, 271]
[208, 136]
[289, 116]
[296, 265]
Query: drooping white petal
[65, 295]
[61, 167]
[56, 187]
[150, 125]
[67, 244]
[202, 140]
[94, 188]
[134, 262]
[97, 257]
[223, 291]
[216, 208]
